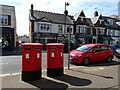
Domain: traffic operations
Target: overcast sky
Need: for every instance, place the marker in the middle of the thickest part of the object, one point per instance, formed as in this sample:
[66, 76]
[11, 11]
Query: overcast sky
[104, 7]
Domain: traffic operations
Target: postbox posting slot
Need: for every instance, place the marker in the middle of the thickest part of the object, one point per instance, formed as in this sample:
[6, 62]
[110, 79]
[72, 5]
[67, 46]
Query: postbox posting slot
[27, 48]
[38, 49]
[61, 49]
[52, 48]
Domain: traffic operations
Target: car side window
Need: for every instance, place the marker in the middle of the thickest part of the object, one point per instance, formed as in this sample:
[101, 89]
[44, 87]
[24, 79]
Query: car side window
[97, 49]
[91, 50]
[102, 48]
[107, 48]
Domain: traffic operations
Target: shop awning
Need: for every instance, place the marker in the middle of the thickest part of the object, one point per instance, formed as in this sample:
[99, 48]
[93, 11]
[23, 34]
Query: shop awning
[106, 38]
[85, 36]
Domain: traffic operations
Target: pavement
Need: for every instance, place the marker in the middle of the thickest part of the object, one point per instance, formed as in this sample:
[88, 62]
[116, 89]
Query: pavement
[74, 78]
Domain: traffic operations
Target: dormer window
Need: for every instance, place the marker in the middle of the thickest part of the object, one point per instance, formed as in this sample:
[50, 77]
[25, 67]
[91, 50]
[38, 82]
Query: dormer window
[110, 21]
[81, 18]
[101, 21]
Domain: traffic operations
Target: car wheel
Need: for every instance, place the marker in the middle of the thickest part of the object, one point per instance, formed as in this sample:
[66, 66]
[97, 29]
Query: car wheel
[86, 61]
[109, 59]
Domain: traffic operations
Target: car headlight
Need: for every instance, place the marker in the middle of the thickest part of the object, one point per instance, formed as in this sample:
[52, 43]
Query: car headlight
[78, 56]
[72, 55]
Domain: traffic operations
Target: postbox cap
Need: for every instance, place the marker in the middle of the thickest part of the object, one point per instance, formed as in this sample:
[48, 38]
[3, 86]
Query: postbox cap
[32, 44]
[54, 44]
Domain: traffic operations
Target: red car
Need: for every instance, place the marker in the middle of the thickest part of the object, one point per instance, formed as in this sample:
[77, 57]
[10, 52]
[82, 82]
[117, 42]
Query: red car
[89, 53]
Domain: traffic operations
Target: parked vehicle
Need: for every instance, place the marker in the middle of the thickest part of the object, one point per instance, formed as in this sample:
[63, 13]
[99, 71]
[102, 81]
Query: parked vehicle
[116, 48]
[89, 53]
[117, 53]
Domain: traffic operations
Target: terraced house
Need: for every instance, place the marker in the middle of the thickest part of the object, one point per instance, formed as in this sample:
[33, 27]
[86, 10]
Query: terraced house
[83, 29]
[50, 27]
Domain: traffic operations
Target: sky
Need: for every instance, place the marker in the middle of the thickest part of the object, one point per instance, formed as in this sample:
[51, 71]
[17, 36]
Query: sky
[22, 7]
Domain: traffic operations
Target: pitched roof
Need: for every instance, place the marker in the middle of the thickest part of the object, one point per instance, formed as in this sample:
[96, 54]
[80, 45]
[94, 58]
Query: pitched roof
[53, 17]
[116, 22]
[81, 14]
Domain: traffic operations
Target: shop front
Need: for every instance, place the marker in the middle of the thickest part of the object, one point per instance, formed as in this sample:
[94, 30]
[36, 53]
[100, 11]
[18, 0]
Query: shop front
[105, 39]
[44, 38]
[8, 39]
[83, 39]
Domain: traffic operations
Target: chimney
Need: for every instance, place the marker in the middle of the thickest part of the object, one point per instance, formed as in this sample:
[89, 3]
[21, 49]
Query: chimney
[31, 9]
[95, 13]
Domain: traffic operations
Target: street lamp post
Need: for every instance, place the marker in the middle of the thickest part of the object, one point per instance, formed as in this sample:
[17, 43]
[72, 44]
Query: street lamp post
[65, 14]
[69, 37]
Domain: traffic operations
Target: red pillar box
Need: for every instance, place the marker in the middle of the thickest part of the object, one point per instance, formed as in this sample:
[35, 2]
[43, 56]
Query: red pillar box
[31, 61]
[55, 59]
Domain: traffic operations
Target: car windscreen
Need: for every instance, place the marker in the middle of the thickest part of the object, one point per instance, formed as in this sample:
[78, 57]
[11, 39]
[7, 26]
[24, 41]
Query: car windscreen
[83, 48]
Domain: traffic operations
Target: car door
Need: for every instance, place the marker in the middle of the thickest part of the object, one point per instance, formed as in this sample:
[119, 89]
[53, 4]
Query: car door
[103, 53]
[94, 54]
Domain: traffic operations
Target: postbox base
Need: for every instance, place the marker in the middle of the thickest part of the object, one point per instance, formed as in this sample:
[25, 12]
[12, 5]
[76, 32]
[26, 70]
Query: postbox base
[31, 75]
[54, 72]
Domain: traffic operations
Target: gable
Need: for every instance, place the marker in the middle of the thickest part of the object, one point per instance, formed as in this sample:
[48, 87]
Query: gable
[82, 14]
[45, 19]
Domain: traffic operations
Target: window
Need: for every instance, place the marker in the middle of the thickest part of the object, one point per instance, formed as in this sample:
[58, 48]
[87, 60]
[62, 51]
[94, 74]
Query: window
[110, 21]
[108, 32]
[43, 27]
[82, 29]
[60, 29]
[113, 32]
[4, 20]
[78, 29]
[69, 29]
[118, 33]
[100, 31]
[81, 18]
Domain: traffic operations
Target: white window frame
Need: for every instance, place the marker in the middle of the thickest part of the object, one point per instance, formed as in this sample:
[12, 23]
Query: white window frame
[43, 27]
[110, 21]
[3, 19]
[82, 28]
[70, 27]
[60, 28]
[100, 31]
[108, 32]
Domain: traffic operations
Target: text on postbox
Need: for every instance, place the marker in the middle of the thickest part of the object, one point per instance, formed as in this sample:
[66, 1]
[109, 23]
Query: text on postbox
[52, 54]
[27, 55]
[38, 55]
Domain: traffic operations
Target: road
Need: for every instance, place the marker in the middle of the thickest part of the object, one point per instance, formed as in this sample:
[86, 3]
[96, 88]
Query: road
[13, 64]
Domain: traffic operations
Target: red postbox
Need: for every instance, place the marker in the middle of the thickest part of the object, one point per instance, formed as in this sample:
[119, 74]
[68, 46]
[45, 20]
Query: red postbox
[55, 64]
[31, 61]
